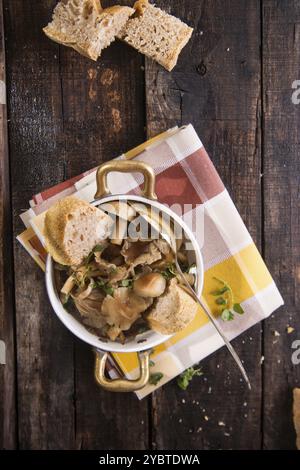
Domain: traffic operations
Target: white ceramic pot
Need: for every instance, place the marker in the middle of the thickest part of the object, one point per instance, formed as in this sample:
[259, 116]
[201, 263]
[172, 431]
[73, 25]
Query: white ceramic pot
[144, 342]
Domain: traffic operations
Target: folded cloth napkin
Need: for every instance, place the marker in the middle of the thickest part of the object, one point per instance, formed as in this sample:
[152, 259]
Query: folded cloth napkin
[187, 181]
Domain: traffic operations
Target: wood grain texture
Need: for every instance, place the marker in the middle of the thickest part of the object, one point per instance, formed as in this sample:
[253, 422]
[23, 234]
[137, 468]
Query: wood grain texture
[216, 86]
[103, 116]
[8, 421]
[71, 116]
[44, 348]
[281, 40]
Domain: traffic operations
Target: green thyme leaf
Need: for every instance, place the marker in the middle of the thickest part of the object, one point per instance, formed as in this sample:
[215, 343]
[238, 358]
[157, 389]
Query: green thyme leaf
[108, 289]
[105, 286]
[185, 378]
[220, 291]
[221, 301]
[231, 307]
[126, 283]
[98, 249]
[169, 272]
[238, 308]
[155, 378]
[227, 315]
[89, 258]
[151, 363]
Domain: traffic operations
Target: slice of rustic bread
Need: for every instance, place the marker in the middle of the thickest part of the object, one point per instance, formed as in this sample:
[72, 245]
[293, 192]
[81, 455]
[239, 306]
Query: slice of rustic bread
[156, 34]
[73, 228]
[296, 410]
[173, 311]
[85, 26]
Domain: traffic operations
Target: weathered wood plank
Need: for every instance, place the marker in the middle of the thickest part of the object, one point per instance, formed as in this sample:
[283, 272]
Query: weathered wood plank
[73, 115]
[103, 116]
[7, 359]
[216, 86]
[281, 42]
[44, 347]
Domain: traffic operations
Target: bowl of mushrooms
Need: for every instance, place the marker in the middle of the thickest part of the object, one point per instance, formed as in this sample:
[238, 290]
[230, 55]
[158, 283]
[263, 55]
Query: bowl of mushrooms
[111, 277]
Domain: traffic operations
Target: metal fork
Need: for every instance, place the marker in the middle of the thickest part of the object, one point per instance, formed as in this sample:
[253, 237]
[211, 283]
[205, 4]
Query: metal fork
[171, 242]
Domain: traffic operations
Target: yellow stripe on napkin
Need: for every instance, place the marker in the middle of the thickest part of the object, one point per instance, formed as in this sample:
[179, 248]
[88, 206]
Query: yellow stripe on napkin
[245, 272]
[30, 242]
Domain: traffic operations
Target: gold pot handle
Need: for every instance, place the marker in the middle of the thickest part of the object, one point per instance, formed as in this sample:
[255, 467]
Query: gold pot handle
[125, 166]
[122, 385]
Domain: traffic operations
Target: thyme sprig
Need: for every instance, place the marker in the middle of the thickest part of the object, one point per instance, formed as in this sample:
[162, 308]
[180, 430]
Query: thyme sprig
[225, 299]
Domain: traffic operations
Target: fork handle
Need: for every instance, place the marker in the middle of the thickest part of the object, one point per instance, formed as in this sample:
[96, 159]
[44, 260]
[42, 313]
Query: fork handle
[216, 325]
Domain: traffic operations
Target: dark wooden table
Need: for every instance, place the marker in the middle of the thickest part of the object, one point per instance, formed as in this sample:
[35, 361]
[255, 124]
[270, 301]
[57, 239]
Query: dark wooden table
[67, 114]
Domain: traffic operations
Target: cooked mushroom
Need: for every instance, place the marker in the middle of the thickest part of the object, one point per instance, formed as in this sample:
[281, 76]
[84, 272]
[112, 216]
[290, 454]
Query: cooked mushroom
[90, 309]
[113, 272]
[163, 246]
[83, 294]
[136, 253]
[182, 257]
[119, 274]
[190, 278]
[150, 285]
[124, 308]
[68, 285]
[81, 274]
[164, 262]
[105, 267]
[113, 332]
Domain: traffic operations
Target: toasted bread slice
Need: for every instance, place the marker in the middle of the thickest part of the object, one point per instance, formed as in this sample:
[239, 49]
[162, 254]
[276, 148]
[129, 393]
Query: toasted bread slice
[156, 34]
[73, 228]
[296, 410]
[85, 26]
[173, 311]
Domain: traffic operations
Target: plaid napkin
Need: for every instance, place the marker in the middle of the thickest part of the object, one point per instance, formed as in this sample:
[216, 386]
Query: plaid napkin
[187, 181]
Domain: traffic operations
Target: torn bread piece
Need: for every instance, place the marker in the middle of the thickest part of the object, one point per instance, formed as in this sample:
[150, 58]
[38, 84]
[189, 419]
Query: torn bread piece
[156, 34]
[173, 311]
[296, 410]
[73, 228]
[85, 26]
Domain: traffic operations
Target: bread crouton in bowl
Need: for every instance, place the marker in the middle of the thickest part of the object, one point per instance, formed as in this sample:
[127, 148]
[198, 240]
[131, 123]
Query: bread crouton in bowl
[111, 277]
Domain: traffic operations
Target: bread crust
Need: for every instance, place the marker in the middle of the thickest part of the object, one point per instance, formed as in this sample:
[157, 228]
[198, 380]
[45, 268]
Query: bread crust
[66, 218]
[173, 311]
[136, 33]
[84, 46]
[296, 413]
[140, 6]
